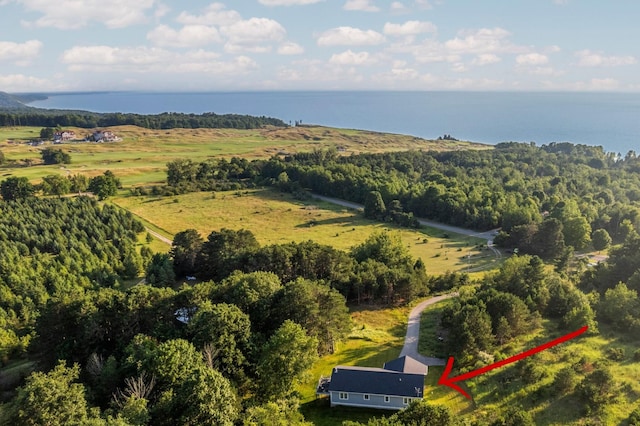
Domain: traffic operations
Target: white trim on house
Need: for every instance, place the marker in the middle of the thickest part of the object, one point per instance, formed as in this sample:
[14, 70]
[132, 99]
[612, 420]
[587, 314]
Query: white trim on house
[343, 396]
[366, 396]
[376, 406]
[387, 398]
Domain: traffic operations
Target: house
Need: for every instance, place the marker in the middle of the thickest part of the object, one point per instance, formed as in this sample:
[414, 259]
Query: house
[65, 135]
[103, 136]
[392, 387]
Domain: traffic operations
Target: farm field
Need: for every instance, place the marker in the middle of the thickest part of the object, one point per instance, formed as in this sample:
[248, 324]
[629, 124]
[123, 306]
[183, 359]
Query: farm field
[277, 218]
[140, 158]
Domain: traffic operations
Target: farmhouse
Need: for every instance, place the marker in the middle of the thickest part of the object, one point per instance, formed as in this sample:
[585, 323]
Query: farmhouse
[103, 136]
[391, 387]
[65, 135]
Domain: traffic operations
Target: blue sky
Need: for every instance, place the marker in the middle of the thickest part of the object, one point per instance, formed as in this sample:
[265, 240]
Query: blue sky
[165, 45]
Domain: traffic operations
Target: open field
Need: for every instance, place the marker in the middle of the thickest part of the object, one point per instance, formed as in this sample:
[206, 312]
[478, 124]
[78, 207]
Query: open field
[141, 156]
[277, 218]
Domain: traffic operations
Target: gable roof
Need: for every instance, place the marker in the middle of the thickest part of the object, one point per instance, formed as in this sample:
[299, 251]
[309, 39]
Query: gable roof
[376, 381]
[406, 364]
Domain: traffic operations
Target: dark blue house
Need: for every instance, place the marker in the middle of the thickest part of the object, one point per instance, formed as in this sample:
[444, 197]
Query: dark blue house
[392, 387]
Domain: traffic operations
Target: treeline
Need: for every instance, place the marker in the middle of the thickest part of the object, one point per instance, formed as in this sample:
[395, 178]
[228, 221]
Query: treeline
[380, 270]
[167, 120]
[563, 190]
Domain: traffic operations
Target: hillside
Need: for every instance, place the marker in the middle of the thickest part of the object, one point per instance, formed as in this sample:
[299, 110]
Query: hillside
[12, 102]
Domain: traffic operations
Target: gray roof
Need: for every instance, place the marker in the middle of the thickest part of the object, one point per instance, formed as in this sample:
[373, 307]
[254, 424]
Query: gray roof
[406, 364]
[376, 381]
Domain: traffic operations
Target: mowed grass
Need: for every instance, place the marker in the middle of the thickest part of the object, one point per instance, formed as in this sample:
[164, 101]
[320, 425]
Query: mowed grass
[277, 218]
[142, 155]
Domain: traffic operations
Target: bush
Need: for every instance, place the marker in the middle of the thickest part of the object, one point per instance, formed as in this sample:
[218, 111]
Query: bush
[636, 355]
[615, 354]
[565, 381]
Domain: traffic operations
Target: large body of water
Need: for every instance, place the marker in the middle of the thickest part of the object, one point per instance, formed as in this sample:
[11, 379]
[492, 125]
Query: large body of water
[611, 120]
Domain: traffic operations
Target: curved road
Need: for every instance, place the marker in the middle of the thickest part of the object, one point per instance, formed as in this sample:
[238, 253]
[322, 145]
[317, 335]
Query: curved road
[487, 235]
[410, 347]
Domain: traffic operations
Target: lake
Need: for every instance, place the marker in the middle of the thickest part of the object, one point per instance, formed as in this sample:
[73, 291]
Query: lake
[611, 120]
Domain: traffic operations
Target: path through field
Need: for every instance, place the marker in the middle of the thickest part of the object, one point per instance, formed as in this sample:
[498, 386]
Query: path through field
[487, 235]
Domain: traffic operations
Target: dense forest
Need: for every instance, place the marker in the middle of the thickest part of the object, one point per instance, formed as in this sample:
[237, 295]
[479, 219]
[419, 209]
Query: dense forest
[100, 346]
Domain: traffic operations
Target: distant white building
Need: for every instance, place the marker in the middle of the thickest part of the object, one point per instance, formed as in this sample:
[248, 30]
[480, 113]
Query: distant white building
[65, 135]
[104, 136]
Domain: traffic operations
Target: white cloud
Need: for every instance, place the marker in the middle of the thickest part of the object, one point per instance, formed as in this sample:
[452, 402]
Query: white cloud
[73, 14]
[485, 40]
[287, 2]
[254, 30]
[349, 36]
[486, 59]
[409, 28]
[143, 60]
[214, 14]
[361, 5]
[351, 58]
[20, 52]
[20, 82]
[290, 48]
[532, 59]
[398, 8]
[587, 58]
[187, 36]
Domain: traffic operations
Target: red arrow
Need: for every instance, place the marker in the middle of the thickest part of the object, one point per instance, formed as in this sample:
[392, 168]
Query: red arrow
[451, 382]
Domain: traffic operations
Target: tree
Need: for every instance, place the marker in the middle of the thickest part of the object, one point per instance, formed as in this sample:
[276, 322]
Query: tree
[222, 253]
[374, 207]
[321, 310]
[283, 412]
[47, 133]
[160, 271]
[424, 414]
[55, 185]
[597, 389]
[105, 185]
[16, 188]
[184, 251]
[51, 399]
[55, 156]
[227, 329]
[600, 239]
[79, 183]
[577, 232]
[285, 358]
[191, 392]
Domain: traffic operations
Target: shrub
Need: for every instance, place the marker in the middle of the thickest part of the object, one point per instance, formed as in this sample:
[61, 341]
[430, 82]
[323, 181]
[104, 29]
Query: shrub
[615, 354]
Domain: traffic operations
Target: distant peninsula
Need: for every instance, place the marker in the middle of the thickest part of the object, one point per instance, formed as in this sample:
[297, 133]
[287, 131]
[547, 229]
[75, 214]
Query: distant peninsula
[14, 111]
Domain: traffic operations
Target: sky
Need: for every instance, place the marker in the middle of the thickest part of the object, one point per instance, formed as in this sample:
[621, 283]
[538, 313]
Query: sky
[247, 45]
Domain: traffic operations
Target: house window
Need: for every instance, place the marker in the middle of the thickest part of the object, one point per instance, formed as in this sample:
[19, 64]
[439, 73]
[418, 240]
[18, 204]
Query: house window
[366, 396]
[406, 401]
[387, 399]
[343, 395]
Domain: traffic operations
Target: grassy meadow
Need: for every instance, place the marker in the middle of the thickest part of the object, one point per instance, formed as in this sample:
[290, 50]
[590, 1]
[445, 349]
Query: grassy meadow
[277, 218]
[140, 158]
